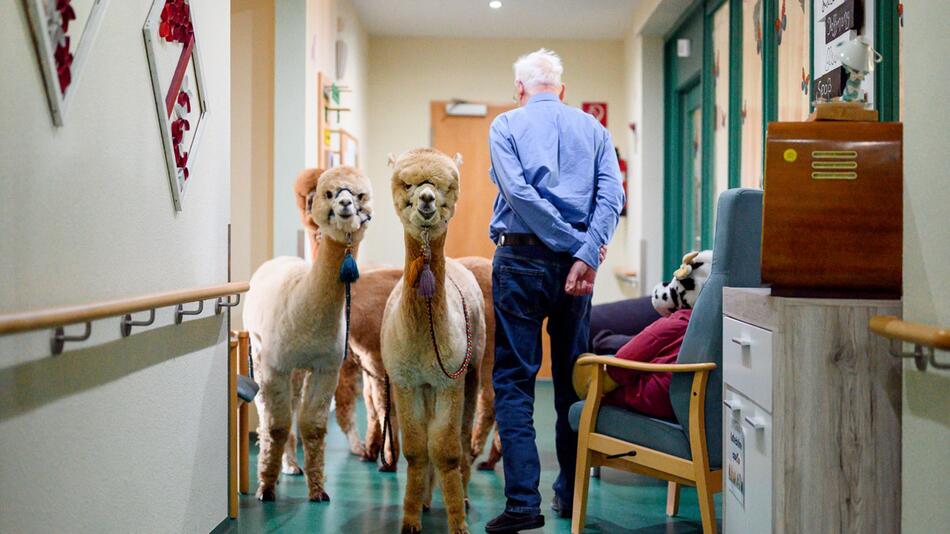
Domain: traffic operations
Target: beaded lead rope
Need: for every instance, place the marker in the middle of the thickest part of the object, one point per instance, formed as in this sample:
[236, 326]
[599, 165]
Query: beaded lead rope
[427, 256]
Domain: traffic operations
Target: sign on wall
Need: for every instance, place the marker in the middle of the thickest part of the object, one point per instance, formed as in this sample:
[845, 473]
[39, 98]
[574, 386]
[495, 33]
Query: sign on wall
[597, 109]
[63, 32]
[839, 21]
[178, 86]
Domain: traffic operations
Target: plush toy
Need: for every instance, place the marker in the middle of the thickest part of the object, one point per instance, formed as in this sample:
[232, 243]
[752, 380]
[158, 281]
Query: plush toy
[681, 292]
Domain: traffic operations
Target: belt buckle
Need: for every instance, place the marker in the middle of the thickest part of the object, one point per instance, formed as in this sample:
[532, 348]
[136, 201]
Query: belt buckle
[501, 240]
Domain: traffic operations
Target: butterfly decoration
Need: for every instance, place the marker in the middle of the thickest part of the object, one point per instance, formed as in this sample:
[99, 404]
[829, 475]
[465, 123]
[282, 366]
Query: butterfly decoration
[900, 13]
[780, 24]
[806, 82]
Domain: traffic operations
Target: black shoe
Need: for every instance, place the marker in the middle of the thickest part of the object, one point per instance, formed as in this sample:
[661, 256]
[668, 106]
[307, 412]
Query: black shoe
[510, 522]
[562, 509]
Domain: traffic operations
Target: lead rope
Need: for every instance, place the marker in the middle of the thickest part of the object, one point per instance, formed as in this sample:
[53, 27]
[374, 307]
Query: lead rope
[388, 426]
[349, 273]
[426, 290]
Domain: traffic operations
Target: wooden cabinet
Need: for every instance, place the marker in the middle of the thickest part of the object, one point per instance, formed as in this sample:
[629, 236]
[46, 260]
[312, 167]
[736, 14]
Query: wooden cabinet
[811, 407]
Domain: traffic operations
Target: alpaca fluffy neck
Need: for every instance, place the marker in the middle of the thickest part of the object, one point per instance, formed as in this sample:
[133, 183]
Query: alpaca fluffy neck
[322, 288]
[414, 250]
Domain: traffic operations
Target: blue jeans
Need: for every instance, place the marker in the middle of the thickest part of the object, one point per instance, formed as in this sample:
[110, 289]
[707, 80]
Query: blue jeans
[528, 286]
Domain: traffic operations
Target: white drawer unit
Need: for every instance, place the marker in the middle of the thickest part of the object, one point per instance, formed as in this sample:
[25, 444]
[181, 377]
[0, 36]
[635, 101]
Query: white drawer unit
[747, 445]
[747, 360]
[811, 432]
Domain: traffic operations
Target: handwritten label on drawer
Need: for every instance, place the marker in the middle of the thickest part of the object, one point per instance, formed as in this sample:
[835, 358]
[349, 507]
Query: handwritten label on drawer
[735, 462]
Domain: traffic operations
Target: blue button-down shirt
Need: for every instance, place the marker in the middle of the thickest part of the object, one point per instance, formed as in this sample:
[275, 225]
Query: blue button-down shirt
[557, 177]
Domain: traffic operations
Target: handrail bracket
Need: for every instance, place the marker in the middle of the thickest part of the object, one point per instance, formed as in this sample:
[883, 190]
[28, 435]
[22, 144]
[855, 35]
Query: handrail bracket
[128, 323]
[226, 302]
[180, 311]
[59, 338]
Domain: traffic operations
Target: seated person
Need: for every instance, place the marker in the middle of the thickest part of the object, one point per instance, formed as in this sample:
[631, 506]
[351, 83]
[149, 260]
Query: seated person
[659, 342]
[613, 324]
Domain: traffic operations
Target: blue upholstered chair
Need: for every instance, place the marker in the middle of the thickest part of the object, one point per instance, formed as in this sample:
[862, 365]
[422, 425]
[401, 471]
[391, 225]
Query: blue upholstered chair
[687, 451]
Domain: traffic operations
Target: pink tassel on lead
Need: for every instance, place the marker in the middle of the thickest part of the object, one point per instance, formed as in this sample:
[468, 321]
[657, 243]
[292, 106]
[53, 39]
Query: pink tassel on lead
[426, 286]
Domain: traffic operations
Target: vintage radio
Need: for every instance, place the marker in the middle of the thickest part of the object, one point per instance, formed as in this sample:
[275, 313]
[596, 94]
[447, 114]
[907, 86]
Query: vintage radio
[833, 209]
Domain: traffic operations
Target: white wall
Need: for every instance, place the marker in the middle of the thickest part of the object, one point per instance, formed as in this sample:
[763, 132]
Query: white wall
[113, 435]
[926, 403]
[406, 74]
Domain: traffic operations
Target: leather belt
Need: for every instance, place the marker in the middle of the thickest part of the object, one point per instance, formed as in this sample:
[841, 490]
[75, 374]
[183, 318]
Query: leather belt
[517, 240]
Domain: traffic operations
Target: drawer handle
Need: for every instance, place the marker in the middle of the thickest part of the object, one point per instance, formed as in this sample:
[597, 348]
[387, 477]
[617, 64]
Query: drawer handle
[742, 342]
[753, 423]
[734, 406]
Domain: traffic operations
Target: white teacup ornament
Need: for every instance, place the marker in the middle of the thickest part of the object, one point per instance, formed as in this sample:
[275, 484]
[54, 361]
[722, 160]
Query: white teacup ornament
[858, 58]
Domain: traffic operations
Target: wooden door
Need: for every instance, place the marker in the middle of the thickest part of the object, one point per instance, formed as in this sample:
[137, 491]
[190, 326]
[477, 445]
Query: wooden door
[468, 230]
[468, 136]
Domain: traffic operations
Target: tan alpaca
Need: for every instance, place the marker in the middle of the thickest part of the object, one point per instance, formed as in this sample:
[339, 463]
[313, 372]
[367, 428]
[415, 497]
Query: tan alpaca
[424, 340]
[294, 312]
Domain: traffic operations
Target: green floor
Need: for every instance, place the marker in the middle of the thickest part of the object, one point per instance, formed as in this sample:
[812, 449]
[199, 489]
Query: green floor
[366, 501]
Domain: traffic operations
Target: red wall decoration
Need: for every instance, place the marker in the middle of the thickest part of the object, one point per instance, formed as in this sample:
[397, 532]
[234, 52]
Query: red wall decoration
[178, 86]
[597, 109]
[63, 37]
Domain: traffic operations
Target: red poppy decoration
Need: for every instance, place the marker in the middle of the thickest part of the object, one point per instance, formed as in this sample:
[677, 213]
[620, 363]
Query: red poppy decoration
[175, 25]
[179, 126]
[59, 21]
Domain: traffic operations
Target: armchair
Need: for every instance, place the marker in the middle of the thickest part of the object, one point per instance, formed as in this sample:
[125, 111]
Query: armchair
[687, 451]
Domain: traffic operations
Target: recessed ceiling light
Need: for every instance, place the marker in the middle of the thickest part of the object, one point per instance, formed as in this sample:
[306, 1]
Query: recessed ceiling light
[495, 4]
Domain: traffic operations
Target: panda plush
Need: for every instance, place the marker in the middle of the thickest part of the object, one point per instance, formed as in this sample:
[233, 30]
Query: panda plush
[681, 292]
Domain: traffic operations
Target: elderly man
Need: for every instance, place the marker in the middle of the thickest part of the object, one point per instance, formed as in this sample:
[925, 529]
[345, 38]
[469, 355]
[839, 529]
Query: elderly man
[559, 200]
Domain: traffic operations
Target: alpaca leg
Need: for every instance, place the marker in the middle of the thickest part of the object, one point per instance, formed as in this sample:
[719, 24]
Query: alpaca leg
[374, 420]
[346, 391]
[445, 450]
[288, 464]
[411, 406]
[468, 418]
[484, 418]
[494, 455]
[273, 407]
[314, 412]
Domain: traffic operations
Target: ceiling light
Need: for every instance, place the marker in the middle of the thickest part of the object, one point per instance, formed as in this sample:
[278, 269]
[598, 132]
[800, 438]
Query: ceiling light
[495, 4]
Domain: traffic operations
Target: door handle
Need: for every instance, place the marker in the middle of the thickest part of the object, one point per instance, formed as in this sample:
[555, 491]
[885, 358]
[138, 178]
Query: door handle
[755, 424]
[734, 406]
[742, 342]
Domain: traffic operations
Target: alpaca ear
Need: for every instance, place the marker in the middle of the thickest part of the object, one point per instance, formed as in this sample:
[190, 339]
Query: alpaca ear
[458, 159]
[392, 160]
[310, 196]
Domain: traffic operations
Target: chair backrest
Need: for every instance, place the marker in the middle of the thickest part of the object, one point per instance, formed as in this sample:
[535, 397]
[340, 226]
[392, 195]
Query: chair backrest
[737, 252]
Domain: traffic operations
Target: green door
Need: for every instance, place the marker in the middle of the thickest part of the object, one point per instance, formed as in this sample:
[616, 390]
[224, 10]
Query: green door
[691, 170]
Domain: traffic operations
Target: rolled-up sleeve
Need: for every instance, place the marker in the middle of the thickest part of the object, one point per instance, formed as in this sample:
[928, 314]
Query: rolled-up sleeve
[537, 213]
[608, 201]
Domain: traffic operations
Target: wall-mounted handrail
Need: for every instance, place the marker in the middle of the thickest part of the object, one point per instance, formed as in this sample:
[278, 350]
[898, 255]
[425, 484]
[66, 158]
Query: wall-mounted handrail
[13, 323]
[922, 336]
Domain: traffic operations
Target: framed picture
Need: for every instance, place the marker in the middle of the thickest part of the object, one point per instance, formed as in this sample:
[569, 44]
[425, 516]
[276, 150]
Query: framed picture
[178, 86]
[63, 32]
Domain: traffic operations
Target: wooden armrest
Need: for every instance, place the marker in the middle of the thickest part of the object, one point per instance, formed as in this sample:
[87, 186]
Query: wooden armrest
[893, 328]
[647, 367]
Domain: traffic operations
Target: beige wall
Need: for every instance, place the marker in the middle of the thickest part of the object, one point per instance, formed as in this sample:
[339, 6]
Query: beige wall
[926, 406]
[116, 434]
[252, 138]
[406, 74]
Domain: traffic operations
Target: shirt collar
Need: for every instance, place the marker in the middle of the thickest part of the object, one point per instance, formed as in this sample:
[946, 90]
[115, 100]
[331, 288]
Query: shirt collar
[544, 97]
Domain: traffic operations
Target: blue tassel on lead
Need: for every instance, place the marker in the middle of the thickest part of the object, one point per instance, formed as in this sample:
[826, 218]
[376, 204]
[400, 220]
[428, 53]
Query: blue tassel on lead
[349, 272]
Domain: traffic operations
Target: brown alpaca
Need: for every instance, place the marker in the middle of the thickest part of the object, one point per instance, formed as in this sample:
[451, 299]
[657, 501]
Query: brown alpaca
[432, 339]
[294, 313]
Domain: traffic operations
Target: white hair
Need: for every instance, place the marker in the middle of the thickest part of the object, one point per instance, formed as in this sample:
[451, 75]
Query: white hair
[538, 69]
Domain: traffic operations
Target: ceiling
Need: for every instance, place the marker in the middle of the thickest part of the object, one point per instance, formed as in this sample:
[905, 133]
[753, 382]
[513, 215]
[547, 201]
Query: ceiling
[555, 19]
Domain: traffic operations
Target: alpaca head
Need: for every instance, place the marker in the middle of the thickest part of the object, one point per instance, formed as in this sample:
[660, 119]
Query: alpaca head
[341, 204]
[425, 189]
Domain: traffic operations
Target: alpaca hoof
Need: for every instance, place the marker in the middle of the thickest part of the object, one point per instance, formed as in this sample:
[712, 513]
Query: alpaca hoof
[387, 467]
[266, 494]
[426, 508]
[486, 466]
[410, 529]
[369, 455]
[359, 450]
[467, 504]
[293, 470]
[319, 496]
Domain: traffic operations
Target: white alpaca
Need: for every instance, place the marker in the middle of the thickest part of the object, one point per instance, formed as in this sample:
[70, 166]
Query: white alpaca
[431, 334]
[294, 313]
